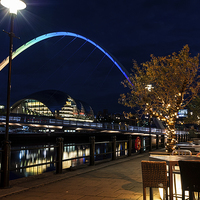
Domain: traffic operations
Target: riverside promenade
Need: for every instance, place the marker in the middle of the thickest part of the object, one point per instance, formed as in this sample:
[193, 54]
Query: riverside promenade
[120, 179]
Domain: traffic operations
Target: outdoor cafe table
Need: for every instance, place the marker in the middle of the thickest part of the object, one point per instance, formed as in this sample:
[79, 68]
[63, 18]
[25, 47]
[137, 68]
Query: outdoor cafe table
[192, 147]
[172, 160]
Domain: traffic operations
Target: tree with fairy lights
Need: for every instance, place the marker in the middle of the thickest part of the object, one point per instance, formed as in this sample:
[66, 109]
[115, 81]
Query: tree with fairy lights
[162, 86]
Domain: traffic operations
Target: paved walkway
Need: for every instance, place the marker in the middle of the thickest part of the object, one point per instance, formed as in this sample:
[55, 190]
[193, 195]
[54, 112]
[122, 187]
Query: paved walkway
[115, 180]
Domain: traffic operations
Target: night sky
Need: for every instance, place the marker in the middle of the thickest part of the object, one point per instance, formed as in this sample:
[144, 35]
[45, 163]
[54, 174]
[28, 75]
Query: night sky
[128, 29]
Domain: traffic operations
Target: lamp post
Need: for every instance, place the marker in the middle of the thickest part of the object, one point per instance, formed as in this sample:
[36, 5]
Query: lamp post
[13, 6]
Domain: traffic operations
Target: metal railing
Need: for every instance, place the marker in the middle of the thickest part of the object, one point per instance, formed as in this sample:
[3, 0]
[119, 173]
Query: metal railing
[97, 151]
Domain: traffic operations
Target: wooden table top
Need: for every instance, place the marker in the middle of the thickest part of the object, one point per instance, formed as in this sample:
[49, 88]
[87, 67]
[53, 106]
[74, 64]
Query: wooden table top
[173, 158]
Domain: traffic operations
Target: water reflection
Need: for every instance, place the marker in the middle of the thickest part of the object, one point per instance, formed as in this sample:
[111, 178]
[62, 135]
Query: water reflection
[40, 155]
[72, 152]
[122, 149]
[28, 156]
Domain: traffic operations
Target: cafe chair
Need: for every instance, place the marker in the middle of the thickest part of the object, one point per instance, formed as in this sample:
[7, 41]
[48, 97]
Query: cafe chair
[190, 178]
[154, 175]
[198, 155]
[181, 152]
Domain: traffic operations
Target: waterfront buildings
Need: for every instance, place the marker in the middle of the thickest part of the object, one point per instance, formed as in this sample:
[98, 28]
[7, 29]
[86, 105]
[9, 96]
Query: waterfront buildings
[53, 103]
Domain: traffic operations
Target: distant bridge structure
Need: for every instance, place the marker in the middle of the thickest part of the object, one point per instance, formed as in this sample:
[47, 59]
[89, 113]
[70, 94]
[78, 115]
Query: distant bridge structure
[56, 34]
[39, 122]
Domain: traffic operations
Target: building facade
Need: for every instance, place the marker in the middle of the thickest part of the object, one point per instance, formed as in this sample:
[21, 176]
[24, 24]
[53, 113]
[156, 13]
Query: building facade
[53, 103]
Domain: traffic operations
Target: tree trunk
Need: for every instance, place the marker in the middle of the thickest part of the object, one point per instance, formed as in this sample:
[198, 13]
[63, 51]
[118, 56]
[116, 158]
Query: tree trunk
[171, 136]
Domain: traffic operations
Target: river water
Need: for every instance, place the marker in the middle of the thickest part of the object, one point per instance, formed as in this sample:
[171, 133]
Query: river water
[28, 156]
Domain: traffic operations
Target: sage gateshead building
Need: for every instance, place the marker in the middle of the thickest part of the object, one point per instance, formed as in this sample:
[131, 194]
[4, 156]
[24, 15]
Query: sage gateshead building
[53, 103]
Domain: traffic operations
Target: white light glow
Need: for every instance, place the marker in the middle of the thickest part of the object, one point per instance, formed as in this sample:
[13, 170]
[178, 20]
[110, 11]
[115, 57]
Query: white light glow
[13, 5]
[177, 190]
[149, 87]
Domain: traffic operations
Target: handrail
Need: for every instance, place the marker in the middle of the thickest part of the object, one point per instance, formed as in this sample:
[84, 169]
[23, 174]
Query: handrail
[112, 150]
[65, 145]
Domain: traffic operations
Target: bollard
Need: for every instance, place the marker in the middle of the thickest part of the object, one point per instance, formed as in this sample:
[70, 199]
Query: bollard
[185, 140]
[176, 137]
[5, 165]
[150, 143]
[162, 141]
[92, 149]
[157, 141]
[114, 148]
[142, 144]
[59, 142]
[179, 138]
[129, 145]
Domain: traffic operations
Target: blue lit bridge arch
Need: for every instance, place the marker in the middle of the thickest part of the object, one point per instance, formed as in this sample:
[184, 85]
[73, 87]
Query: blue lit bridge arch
[54, 34]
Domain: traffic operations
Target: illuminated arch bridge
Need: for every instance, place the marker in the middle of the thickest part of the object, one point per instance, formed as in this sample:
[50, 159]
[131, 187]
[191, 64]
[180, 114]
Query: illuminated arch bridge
[53, 103]
[55, 34]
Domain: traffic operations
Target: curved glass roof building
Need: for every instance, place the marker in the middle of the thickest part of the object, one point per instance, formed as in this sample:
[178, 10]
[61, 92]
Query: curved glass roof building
[54, 103]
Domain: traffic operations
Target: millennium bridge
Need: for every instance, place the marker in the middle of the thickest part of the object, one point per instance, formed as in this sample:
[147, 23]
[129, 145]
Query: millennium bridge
[72, 126]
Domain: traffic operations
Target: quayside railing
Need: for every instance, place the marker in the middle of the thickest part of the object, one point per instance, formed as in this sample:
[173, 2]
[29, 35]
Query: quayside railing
[64, 156]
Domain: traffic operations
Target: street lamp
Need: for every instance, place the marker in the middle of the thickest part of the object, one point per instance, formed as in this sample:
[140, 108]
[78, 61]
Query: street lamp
[13, 6]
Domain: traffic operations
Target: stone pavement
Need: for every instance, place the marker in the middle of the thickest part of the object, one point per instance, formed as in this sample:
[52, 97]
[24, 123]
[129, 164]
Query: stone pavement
[114, 180]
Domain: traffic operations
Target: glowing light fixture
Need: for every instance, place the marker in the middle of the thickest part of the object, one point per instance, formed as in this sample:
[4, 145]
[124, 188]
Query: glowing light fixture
[13, 5]
[177, 189]
[149, 87]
